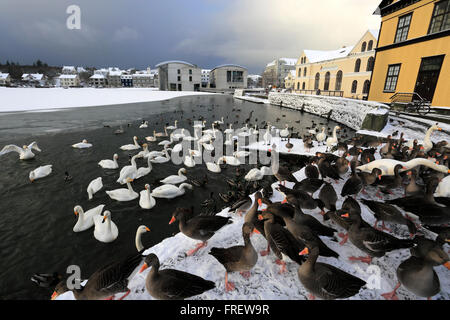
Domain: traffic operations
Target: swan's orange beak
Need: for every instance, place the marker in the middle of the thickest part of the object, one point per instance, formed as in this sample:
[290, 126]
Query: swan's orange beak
[440, 129]
[303, 252]
[54, 295]
[284, 201]
[145, 266]
[345, 215]
[172, 220]
[447, 265]
[104, 218]
[76, 213]
[147, 229]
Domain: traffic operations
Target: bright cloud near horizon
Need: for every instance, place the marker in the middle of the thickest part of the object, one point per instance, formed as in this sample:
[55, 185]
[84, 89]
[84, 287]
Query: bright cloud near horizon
[141, 33]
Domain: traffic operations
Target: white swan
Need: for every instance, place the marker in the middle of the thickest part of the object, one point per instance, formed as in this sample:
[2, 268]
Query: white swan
[144, 125]
[200, 125]
[189, 160]
[82, 145]
[387, 165]
[128, 172]
[166, 143]
[40, 172]
[443, 188]
[175, 178]
[213, 167]
[178, 136]
[240, 153]
[137, 240]
[151, 138]
[219, 121]
[427, 143]
[331, 141]
[230, 129]
[169, 191]
[178, 147]
[267, 136]
[258, 174]
[173, 127]
[143, 171]
[161, 134]
[144, 151]
[208, 146]
[162, 159]
[105, 229]
[146, 201]
[109, 164]
[191, 138]
[86, 219]
[232, 161]
[24, 152]
[123, 194]
[94, 186]
[133, 146]
[154, 153]
[321, 136]
[284, 134]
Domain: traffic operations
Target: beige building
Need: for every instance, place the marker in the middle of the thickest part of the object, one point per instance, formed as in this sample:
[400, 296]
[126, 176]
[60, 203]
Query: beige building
[276, 71]
[179, 76]
[228, 76]
[343, 72]
[69, 80]
[289, 81]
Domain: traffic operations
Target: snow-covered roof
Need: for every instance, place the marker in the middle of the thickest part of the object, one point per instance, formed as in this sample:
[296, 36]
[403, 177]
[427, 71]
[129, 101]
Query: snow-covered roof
[175, 61]
[4, 75]
[68, 76]
[271, 63]
[97, 76]
[34, 76]
[254, 77]
[228, 65]
[69, 68]
[142, 75]
[115, 73]
[81, 69]
[321, 55]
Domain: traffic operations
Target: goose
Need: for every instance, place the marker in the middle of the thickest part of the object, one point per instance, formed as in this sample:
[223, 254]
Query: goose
[387, 165]
[151, 138]
[25, 152]
[82, 145]
[170, 191]
[109, 164]
[143, 171]
[134, 146]
[138, 238]
[86, 219]
[284, 134]
[40, 172]
[161, 134]
[427, 143]
[123, 194]
[128, 172]
[162, 159]
[213, 167]
[240, 258]
[189, 160]
[175, 179]
[331, 141]
[144, 125]
[94, 186]
[146, 201]
[105, 229]
[321, 135]
[174, 127]
[171, 284]
[145, 151]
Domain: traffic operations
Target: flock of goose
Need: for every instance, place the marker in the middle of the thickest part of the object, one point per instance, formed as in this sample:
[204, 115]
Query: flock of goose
[418, 168]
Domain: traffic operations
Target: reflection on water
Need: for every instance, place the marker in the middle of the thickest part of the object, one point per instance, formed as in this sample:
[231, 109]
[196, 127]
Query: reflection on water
[36, 220]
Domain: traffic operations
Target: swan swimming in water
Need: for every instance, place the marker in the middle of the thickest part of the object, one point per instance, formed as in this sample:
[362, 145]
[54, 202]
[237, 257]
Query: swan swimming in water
[105, 229]
[82, 145]
[143, 171]
[170, 191]
[86, 219]
[94, 186]
[109, 164]
[175, 179]
[123, 194]
[128, 172]
[40, 172]
[25, 152]
[134, 146]
[146, 201]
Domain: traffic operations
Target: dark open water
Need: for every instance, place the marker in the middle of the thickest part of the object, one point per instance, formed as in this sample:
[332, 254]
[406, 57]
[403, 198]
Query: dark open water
[36, 220]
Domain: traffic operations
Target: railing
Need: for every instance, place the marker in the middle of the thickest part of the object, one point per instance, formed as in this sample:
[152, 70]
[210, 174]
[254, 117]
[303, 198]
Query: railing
[406, 97]
[411, 102]
[331, 93]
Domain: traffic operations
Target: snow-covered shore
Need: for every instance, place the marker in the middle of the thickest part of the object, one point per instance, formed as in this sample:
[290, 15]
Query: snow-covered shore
[30, 99]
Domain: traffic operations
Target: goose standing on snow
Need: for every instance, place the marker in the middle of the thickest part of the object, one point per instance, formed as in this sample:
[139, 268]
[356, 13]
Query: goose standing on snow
[175, 179]
[331, 141]
[170, 191]
[387, 165]
[105, 230]
[94, 186]
[321, 136]
[25, 152]
[82, 145]
[109, 164]
[146, 201]
[123, 194]
[427, 143]
[134, 146]
[40, 172]
[86, 219]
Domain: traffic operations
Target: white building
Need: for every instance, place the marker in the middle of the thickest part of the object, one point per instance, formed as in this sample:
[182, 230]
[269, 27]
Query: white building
[5, 78]
[205, 77]
[142, 80]
[277, 70]
[179, 76]
[81, 69]
[228, 76]
[98, 80]
[36, 78]
[69, 70]
[69, 80]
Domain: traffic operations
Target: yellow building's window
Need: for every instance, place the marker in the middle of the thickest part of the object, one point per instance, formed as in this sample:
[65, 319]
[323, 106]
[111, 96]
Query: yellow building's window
[392, 77]
[403, 28]
[440, 20]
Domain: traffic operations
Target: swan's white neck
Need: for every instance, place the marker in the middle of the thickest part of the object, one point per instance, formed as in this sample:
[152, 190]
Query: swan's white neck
[129, 187]
[138, 241]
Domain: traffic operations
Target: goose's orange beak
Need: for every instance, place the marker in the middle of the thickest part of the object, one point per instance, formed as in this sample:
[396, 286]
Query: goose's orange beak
[260, 217]
[172, 220]
[54, 295]
[345, 215]
[284, 201]
[303, 252]
[256, 231]
[145, 266]
[447, 265]
[259, 202]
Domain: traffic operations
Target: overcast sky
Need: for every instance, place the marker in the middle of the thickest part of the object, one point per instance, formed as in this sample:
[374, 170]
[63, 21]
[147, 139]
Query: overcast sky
[141, 33]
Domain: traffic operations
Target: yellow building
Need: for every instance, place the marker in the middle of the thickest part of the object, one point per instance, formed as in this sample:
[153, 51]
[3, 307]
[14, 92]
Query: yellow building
[413, 50]
[289, 80]
[343, 72]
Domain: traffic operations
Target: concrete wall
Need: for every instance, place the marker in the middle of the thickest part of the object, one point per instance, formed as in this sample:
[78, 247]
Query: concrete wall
[218, 78]
[168, 74]
[349, 112]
